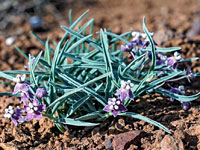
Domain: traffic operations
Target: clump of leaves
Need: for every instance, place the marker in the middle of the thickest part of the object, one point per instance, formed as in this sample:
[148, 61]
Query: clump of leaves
[85, 79]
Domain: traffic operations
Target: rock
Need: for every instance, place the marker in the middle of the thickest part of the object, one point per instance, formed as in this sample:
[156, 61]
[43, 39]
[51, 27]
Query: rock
[195, 131]
[35, 22]
[177, 123]
[162, 36]
[6, 147]
[10, 41]
[179, 134]
[171, 143]
[122, 141]
[194, 30]
[108, 144]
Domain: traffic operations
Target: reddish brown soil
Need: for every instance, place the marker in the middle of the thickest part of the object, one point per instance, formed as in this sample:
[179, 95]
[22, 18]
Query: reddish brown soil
[175, 16]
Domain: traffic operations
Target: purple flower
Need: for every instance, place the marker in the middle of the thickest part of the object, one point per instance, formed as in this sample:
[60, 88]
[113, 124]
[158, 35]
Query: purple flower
[22, 87]
[179, 90]
[161, 59]
[124, 48]
[173, 61]
[32, 60]
[186, 105]
[127, 48]
[41, 92]
[14, 115]
[115, 105]
[146, 42]
[125, 90]
[175, 91]
[34, 110]
[189, 74]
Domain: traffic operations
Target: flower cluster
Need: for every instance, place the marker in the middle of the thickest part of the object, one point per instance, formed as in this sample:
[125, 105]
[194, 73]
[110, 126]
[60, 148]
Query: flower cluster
[31, 103]
[116, 105]
[171, 62]
[139, 41]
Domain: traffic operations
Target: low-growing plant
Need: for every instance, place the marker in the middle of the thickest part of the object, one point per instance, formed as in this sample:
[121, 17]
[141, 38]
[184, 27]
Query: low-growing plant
[87, 79]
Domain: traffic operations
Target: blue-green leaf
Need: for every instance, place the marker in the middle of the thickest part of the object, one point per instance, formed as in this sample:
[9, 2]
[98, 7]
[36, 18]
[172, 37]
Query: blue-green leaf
[138, 116]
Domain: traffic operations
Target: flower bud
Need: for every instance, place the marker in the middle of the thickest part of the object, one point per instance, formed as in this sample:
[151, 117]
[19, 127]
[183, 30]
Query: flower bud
[41, 92]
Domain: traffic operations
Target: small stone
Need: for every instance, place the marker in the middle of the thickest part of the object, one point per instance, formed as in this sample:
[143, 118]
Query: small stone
[35, 22]
[120, 124]
[171, 143]
[179, 134]
[195, 130]
[85, 141]
[124, 140]
[177, 123]
[10, 41]
[108, 144]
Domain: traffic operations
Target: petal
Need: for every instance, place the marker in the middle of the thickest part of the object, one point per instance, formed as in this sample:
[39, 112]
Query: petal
[110, 99]
[14, 121]
[26, 108]
[118, 92]
[174, 90]
[24, 99]
[123, 95]
[16, 88]
[122, 108]
[28, 83]
[35, 102]
[29, 94]
[38, 116]
[29, 116]
[107, 108]
[41, 108]
[19, 111]
[24, 87]
[21, 119]
[159, 62]
[130, 93]
[171, 99]
[171, 61]
[175, 65]
[115, 113]
[123, 48]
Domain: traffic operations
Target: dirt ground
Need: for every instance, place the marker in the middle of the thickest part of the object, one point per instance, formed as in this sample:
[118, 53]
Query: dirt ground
[174, 18]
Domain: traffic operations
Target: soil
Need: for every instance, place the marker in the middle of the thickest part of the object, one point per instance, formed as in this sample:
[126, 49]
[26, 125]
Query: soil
[174, 18]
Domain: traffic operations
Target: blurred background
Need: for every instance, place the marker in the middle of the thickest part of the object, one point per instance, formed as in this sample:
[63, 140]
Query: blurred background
[174, 22]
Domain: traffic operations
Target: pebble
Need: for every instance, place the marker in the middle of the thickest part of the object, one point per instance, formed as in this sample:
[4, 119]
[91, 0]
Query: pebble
[10, 41]
[177, 123]
[195, 131]
[171, 143]
[108, 144]
[124, 140]
[35, 22]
